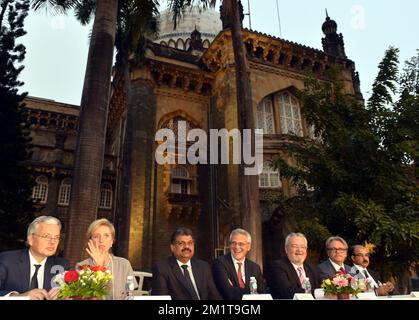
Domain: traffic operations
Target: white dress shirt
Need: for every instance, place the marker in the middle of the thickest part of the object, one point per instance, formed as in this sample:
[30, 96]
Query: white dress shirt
[371, 280]
[236, 266]
[32, 262]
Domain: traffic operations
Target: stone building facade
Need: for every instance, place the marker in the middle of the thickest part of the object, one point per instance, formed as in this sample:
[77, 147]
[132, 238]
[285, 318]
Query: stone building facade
[187, 79]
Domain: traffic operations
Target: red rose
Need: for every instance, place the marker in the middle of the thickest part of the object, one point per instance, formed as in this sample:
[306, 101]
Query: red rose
[95, 268]
[103, 269]
[71, 276]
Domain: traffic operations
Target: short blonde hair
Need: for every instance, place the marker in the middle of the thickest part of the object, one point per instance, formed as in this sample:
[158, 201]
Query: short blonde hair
[96, 224]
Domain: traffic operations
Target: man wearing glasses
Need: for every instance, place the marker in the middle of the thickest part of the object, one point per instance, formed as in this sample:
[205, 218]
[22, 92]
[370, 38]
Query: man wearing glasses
[337, 250]
[232, 271]
[293, 274]
[182, 276]
[361, 260]
[29, 272]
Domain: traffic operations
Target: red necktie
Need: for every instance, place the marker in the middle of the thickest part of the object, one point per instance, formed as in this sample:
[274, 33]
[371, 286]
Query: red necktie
[342, 270]
[240, 275]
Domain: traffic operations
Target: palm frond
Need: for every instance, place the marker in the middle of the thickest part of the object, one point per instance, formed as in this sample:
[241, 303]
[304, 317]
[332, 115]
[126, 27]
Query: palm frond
[58, 6]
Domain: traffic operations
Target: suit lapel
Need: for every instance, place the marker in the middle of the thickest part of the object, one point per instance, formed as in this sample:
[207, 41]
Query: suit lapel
[177, 271]
[198, 276]
[47, 273]
[247, 272]
[24, 270]
[232, 270]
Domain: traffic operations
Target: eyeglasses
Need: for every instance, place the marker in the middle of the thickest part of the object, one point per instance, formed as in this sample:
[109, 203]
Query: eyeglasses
[184, 244]
[240, 244]
[48, 237]
[334, 250]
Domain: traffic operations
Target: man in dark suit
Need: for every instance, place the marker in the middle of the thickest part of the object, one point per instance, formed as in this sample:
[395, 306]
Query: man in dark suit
[29, 272]
[337, 250]
[290, 275]
[361, 260]
[182, 276]
[232, 271]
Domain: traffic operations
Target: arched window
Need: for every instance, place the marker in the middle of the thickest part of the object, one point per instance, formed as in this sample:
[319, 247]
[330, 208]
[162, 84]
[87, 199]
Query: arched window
[269, 178]
[172, 43]
[290, 114]
[180, 181]
[180, 44]
[105, 200]
[64, 192]
[40, 190]
[265, 117]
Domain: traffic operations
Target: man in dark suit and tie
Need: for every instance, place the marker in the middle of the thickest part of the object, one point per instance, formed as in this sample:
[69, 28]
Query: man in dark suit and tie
[361, 260]
[29, 272]
[182, 276]
[232, 271]
[291, 274]
[337, 250]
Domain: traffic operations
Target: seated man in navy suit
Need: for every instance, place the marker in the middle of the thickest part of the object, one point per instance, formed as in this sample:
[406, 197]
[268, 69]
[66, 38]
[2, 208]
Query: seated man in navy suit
[232, 271]
[290, 275]
[361, 260]
[182, 276]
[337, 250]
[29, 272]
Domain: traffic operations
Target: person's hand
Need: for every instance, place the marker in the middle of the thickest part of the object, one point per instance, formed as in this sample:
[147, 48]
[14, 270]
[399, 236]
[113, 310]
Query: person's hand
[34, 294]
[385, 289]
[53, 293]
[95, 253]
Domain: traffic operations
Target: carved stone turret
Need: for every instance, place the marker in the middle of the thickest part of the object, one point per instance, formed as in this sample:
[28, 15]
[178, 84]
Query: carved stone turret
[332, 42]
[196, 41]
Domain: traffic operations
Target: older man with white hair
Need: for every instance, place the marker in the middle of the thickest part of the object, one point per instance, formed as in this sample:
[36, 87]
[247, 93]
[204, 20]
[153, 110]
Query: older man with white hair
[29, 272]
[232, 271]
[293, 274]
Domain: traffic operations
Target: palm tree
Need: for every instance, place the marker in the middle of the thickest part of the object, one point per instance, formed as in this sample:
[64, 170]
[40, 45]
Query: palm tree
[89, 156]
[249, 204]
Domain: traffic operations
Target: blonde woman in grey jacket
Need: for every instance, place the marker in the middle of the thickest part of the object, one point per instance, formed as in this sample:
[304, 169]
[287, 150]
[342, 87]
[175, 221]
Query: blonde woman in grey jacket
[101, 236]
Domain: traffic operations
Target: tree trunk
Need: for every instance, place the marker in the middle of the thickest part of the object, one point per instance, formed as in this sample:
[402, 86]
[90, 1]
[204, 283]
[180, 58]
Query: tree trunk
[249, 204]
[89, 156]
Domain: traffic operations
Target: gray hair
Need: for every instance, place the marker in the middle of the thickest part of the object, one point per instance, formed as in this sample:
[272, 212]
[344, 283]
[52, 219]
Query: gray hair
[295, 234]
[242, 232]
[42, 219]
[336, 238]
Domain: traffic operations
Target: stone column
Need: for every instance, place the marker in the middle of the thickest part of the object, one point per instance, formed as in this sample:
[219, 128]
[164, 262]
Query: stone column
[135, 205]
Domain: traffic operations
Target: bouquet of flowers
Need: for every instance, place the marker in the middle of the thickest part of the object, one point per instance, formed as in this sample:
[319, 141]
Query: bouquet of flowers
[342, 283]
[85, 283]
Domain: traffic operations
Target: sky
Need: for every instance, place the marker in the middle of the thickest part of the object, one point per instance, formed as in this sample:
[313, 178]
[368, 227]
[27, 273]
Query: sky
[57, 45]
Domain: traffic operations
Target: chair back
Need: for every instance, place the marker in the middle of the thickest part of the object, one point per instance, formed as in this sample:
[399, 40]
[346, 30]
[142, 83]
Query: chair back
[140, 276]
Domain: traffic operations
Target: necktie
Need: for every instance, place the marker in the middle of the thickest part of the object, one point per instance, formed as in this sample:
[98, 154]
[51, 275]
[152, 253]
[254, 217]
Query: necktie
[366, 274]
[240, 275]
[188, 282]
[342, 269]
[301, 276]
[34, 280]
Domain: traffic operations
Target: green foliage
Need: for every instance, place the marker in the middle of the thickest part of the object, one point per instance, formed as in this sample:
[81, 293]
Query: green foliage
[15, 181]
[358, 178]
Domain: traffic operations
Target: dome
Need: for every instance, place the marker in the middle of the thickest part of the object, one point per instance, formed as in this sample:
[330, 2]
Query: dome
[207, 22]
[329, 26]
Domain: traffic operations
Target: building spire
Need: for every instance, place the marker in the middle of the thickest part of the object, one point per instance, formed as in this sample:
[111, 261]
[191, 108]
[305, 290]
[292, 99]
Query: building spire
[332, 42]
